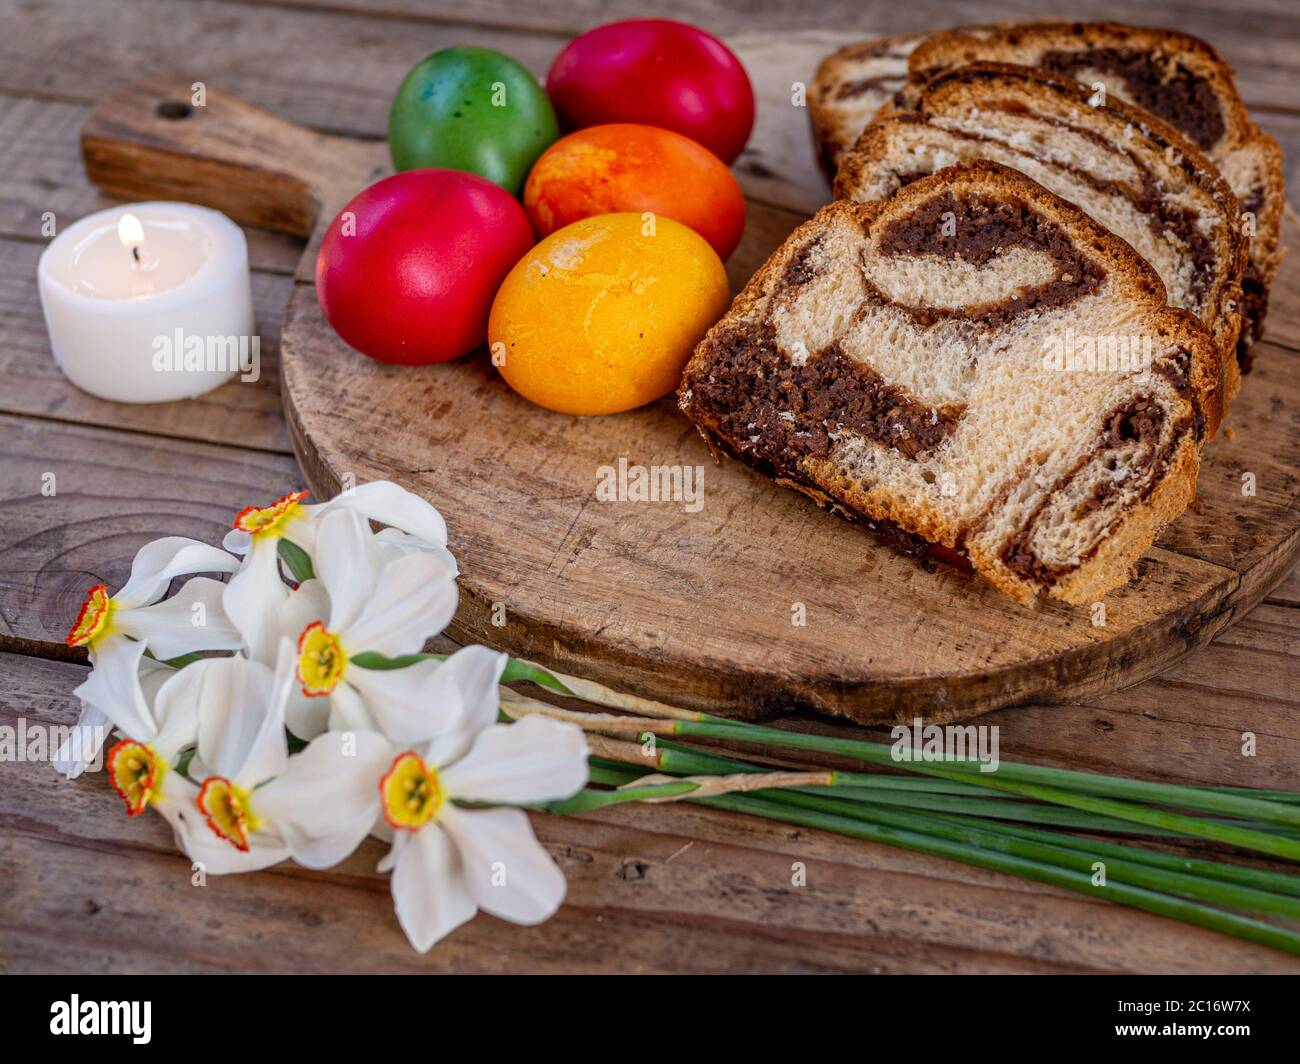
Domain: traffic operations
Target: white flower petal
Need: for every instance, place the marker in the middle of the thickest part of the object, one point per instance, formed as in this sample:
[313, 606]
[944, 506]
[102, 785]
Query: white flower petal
[396, 543]
[220, 857]
[325, 851]
[399, 841]
[327, 799]
[307, 717]
[507, 870]
[384, 832]
[475, 671]
[533, 760]
[385, 502]
[253, 598]
[348, 562]
[409, 705]
[347, 710]
[156, 564]
[241, 715]
[413, 599]
[237, 541]
[175, 627]
[84, 742]
[430, 896]
[113, 687]
[176, 713]
[178, 804]
[307, 605]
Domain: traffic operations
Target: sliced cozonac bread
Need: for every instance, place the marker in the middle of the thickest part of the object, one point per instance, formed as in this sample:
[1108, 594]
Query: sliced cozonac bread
[974, 368]
[848, 89]
[1178, 78]
[1130, 172]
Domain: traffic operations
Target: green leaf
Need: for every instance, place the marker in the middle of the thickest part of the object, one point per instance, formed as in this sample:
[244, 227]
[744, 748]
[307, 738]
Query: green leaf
[369, 659]
[178, 662]
[296, 560]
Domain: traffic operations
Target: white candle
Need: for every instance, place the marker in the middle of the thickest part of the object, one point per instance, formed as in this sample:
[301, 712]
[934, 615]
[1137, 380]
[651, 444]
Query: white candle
[150, 302]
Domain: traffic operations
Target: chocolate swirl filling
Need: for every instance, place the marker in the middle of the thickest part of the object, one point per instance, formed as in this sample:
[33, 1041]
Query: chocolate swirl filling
[976, 230]
[1157, 83]
[782, 412]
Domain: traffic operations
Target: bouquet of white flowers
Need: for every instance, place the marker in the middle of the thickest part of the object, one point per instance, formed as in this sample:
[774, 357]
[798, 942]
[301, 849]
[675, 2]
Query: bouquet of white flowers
[288, 713]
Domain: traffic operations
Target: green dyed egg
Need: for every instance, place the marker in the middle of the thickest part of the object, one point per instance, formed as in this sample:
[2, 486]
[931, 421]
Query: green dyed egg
[471, 109]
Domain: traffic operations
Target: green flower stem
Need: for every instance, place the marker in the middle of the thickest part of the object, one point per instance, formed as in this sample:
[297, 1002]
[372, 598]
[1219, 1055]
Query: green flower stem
[587, 800]
[1030, 780]
[1287, 797]
[1270, 807]
[1276, 882]
[766, 804]
[860, 786]
[597, 694]
[664, 789]
[1041, 871]
[1117, 868]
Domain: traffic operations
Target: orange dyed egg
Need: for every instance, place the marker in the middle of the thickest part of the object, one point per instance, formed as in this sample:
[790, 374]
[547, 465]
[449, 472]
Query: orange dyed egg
[602, 316]
[626, 167]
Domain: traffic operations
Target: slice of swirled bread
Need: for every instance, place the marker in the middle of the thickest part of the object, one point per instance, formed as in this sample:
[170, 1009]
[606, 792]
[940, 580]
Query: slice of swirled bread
[974, 366]
[1176, 77]
[849, 87]
[1132, 173]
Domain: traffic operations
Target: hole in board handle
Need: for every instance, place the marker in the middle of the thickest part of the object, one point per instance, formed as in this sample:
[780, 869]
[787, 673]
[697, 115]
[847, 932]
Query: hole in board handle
[174, 110]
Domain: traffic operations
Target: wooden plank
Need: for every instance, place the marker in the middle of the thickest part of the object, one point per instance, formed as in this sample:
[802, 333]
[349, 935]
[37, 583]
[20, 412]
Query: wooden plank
[244, 413]
[114, 491]
[1256, 36]
[283, 60]
[1287, 593]
[40, 160]
[651, 889]
[329, 70]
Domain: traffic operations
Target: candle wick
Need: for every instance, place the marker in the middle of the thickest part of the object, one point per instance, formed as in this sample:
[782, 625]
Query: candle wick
[135, 254]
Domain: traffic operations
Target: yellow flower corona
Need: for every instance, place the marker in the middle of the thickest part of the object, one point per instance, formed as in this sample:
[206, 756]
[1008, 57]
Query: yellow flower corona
[410, 793]
[270, 521]
[225, 805]
[136, 774]
[321, 660]
[93, 619]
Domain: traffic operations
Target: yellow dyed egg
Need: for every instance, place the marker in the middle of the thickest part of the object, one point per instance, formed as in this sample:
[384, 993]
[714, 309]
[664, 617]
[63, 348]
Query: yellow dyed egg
[602, 316]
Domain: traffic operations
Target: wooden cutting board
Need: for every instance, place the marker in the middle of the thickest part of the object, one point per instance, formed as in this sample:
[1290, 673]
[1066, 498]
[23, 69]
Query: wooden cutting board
[759, 602]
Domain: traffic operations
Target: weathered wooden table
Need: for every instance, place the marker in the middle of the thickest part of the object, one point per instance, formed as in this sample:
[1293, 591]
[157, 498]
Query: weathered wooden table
[667, 888]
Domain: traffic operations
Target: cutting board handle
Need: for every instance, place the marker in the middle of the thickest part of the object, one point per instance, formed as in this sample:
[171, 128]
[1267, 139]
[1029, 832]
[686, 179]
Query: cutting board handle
[155, 139]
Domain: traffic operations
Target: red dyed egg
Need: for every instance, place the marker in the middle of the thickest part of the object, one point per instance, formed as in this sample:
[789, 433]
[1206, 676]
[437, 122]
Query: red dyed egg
[408, 269]
[655, 72]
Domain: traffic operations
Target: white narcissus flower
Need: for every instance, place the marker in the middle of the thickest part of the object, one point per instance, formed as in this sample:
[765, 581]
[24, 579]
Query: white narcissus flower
[377, 605]
[255, 593]
[448, 861]
[260, 805]
[116, 629]
[157, 726]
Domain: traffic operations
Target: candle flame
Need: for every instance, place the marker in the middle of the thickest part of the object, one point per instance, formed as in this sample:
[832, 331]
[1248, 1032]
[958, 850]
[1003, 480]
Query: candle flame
[130, 232]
